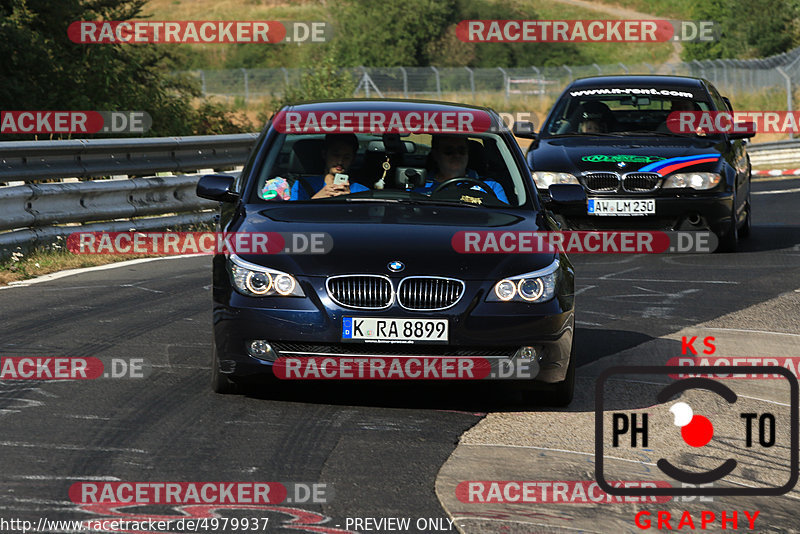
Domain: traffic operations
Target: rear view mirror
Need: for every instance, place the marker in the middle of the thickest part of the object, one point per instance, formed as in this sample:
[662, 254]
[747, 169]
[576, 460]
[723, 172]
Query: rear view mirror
[524, 129]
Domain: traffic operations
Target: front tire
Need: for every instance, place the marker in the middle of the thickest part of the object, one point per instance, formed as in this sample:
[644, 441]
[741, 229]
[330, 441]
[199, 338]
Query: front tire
[220, 383]
[744, 231]
[565, 390]
[729, 242]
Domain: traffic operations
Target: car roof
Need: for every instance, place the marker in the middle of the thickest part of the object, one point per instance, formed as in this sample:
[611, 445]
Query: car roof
[382, 104]
[639, 80]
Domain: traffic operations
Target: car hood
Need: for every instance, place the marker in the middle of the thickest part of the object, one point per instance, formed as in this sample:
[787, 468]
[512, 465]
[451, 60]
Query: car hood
[366, 237]
[626, 154]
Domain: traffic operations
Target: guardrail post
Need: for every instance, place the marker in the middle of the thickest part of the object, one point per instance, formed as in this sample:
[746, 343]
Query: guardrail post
[438, 82]
[405, 82]
[202, 82]
[540, 79]
[506, 82]
[621, 64]
[569, 70]
[285, 75]
[599, 70]
[788, 93]
[471, 82]
[246, 89]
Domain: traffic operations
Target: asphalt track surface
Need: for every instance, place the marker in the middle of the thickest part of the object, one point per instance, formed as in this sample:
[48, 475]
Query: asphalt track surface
[378, 449]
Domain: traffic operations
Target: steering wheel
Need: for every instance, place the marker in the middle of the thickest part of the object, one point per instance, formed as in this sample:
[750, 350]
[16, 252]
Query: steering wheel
[461, 179]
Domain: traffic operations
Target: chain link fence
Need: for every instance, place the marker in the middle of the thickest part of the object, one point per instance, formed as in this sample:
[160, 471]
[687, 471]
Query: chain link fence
[731, 76]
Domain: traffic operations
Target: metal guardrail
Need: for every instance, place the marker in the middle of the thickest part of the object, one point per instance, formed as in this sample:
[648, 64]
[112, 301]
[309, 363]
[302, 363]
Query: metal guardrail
[37, 213]
[84, 158]
[776, 154]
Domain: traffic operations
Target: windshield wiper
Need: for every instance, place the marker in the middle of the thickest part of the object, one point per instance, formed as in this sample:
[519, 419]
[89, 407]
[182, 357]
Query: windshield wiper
[372, 199]
[441, 203]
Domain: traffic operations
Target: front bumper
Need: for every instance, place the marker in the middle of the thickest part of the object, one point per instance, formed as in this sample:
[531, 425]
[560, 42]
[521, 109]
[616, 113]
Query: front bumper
[684, 211]
[312, 326]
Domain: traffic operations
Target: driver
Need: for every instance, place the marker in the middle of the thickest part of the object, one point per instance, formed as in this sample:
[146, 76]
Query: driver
[449, 156]
[339, 153]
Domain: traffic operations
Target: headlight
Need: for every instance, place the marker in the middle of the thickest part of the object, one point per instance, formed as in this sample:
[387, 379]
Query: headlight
[535, 287]
[695, 180]
[257, 281]
[545, 179]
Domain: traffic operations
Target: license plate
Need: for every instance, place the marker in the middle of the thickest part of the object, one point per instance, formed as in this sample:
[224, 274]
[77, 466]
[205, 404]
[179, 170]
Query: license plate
[621, 206]
[383, 330]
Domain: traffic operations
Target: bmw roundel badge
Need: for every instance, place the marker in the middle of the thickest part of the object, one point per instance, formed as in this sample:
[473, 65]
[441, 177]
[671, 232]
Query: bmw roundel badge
[396, 266]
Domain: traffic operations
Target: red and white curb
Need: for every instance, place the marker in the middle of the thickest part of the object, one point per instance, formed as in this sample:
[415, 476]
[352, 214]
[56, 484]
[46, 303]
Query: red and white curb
[776, 172]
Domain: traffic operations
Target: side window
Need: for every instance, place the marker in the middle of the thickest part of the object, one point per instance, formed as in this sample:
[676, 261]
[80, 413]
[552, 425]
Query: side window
[719, 103]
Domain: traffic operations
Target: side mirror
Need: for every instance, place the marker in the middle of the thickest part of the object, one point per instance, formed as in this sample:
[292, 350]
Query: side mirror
[217, 187]
[524, 129]
[743, 130]
[728, 102]
[567, 194]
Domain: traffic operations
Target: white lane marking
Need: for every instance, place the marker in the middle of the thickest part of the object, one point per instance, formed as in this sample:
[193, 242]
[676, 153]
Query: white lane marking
[751, 331]
[92, 417]
[632, 257]
[70, 272]
[610, 316]
[61, 447]
[778, 192]
[136, 286]
[765, 400]
[609, 275]
[587, 323]
[666, 280]
[584, 289]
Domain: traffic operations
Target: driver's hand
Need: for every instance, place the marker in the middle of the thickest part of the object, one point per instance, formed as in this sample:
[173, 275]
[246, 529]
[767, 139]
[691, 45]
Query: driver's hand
[331, 190]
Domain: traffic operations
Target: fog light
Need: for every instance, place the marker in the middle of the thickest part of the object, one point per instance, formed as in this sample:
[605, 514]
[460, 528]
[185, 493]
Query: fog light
[258, 348]
[528, 353]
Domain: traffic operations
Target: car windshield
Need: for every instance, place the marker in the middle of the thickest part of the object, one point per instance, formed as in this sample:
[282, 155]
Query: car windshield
[622, 111]
[476, 170]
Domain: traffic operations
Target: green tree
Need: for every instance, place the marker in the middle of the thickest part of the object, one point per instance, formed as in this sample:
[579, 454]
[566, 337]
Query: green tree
[747, 29]
[389, 33]
[326, 81]
[41, 69]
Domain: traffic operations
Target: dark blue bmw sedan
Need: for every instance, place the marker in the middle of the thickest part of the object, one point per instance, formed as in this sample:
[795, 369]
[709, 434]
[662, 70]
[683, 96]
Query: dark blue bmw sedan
[371, 199]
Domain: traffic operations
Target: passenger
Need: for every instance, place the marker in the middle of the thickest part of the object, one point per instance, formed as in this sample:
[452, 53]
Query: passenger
[597, 113]
[590, 126]
[339, 153]
[449, 157]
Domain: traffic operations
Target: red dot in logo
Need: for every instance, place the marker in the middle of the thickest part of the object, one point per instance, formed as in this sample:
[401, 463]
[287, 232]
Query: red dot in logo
[698, 431]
